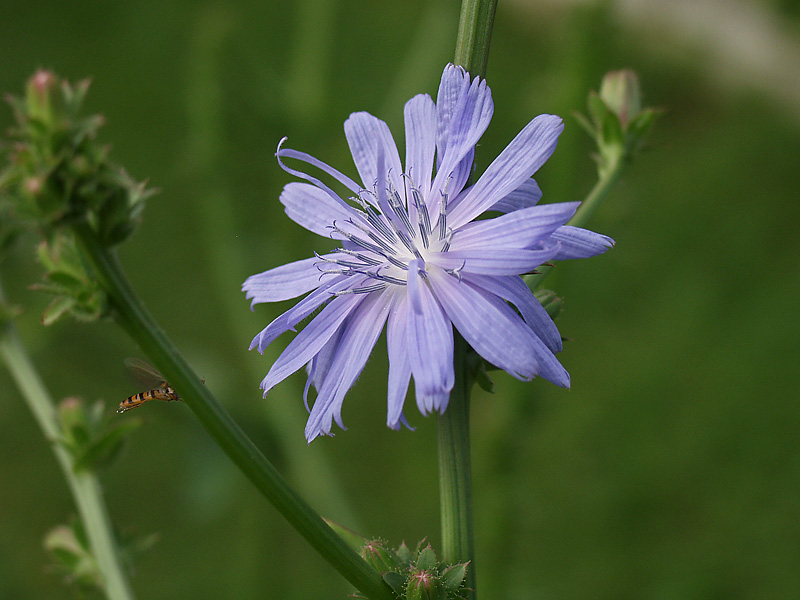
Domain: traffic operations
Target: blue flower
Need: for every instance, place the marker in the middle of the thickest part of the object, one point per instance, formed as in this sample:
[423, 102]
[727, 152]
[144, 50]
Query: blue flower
[412, 256]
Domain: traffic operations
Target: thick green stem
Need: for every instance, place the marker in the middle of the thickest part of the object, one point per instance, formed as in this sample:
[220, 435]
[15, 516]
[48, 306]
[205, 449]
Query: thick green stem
[85, 487]
[140, 325]
[475, 35]
[455, 470]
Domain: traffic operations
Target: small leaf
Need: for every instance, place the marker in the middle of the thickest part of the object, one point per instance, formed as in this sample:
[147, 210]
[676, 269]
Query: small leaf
[454, 576]
[104, 448]
[395, 580]
[57, 309]
[426, 559]
[597, 110]
[355, 540]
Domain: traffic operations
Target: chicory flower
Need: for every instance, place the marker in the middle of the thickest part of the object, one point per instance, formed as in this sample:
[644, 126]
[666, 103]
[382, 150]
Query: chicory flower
[413, 256]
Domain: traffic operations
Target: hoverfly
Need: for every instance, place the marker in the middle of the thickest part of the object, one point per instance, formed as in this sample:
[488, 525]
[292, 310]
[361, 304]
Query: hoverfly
[147, 375]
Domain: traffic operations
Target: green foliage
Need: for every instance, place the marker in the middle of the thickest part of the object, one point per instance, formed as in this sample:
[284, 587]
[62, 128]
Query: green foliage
[75, 292]
[417, 574]
[90, 435]
[58, 173]
[72, 558]
[617, 122]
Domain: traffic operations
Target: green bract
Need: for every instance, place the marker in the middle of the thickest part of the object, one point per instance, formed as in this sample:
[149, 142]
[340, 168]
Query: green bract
[58, 173]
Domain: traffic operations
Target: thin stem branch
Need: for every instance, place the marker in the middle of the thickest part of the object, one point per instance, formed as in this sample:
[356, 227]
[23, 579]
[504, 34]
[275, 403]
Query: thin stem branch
[85, 487]
[586, 210]
[140, 325]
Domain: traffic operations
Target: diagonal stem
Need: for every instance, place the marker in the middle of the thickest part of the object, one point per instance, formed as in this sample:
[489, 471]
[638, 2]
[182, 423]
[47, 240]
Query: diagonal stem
[140, 325]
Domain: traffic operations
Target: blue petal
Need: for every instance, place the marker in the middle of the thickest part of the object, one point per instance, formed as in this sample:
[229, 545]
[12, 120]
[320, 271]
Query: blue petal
[320, 365]
[399, 365]
[514, 290]
[299, 311]
[365, 135]
[307, 158]
[420, 121]
[358, 339]
[463, 112]
[430, 345]
[522, 228]
[313, 208]
[284, 282]
[516, 163]
[580, 243]
[494, 261]
[311, 339]
[527, 194]
[495, 331]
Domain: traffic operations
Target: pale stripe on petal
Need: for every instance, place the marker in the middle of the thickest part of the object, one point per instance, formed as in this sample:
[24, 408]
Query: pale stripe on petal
[358, 339]
[522, 228]
[365, 134]
[284, 282]
[517, 162]
[430, 345]
[495, 331]
[311, 339]
[580, 243]
[494, 261]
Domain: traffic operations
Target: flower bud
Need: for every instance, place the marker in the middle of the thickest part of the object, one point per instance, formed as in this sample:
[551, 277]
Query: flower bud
[622, 94]
[380, 556]
[39, 96]
[425, 585]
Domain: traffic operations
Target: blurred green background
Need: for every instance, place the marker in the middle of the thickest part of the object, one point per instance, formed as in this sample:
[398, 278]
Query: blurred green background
[672, 467]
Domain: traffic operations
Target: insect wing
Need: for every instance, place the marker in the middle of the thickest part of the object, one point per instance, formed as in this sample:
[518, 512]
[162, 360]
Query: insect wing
[144, 373]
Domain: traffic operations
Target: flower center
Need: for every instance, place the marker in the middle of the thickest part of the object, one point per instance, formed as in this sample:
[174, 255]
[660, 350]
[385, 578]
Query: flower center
[386, 233]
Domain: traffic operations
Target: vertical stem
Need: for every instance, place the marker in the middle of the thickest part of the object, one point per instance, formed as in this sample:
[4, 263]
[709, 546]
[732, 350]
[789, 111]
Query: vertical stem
[85, 488]
[455, 467]
[455, 470]
[475, 35]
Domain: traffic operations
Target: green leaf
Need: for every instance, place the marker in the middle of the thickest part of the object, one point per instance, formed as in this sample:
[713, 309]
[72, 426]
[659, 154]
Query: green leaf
[57, 309]
[396, 581]
[353, 539]
[103, 448]
[426, 559]
[597, 110]
[454, 576]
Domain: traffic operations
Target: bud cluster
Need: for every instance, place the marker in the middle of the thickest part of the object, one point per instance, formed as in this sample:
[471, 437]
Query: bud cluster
[58, 173]
[416, 575]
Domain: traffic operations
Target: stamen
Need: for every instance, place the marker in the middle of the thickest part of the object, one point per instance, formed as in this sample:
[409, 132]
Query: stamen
[357, 240]
[368, 260]
[443, 215]
[456, 271]
[362, 290]
[399, 209]
[448, 238]
[387, 278]
[397, 263]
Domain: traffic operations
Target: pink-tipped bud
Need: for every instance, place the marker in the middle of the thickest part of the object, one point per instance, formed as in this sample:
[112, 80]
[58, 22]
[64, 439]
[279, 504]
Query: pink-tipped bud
[622, 94]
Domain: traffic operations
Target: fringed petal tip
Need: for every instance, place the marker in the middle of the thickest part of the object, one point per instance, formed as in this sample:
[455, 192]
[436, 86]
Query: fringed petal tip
[402, 421]
[278, 149]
